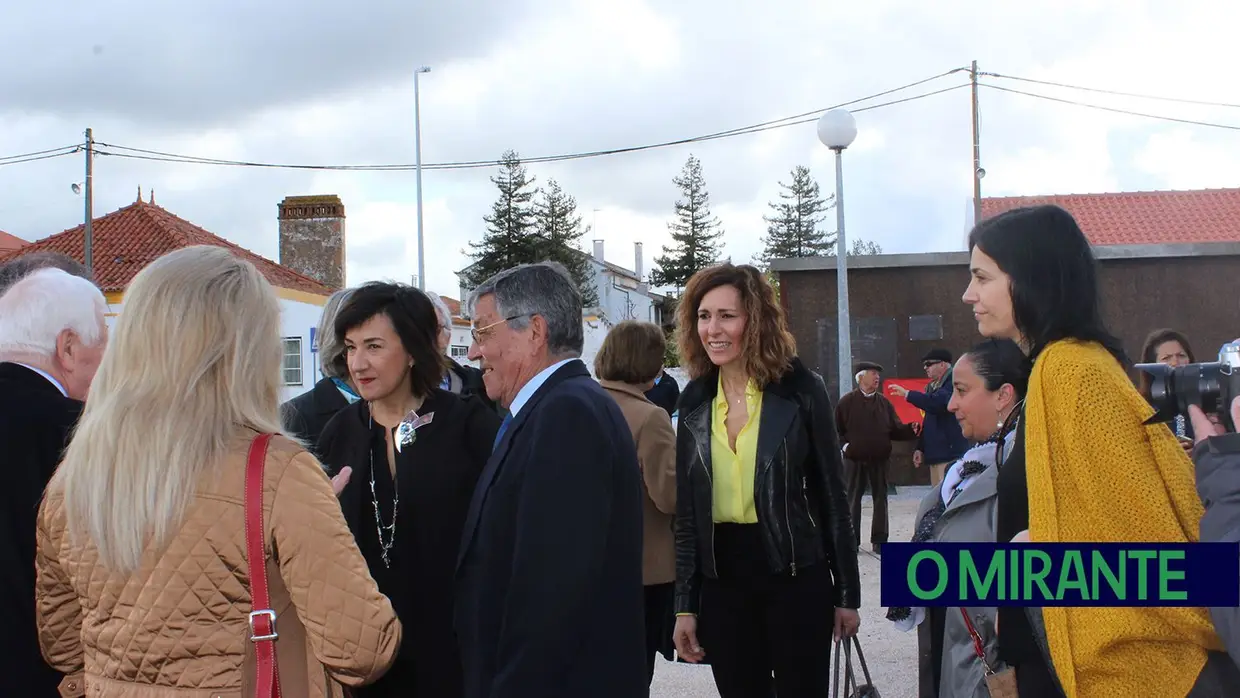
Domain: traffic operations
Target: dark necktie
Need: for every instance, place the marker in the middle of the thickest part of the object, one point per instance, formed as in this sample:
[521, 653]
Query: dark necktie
[503, 427]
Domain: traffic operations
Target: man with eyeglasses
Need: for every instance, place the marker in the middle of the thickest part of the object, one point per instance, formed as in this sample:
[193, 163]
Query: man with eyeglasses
[941, 442]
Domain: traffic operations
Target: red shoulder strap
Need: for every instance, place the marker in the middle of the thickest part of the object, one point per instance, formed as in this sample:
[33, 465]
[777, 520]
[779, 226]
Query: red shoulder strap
[262, 618]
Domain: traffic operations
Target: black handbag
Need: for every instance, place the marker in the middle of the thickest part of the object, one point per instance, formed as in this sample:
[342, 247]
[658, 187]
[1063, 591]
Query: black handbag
[849, 683]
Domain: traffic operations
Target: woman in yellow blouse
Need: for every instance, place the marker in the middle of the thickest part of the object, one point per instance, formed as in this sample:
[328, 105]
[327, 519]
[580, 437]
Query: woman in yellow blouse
[766, 559]
[1085, 468]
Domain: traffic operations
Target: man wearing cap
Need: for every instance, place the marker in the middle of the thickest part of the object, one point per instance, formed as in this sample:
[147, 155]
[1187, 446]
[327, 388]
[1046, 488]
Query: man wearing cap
[867, 423]
[941, 443]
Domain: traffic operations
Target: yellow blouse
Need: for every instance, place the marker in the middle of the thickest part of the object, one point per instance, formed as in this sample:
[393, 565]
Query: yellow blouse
[1097, 474]
[732, 472]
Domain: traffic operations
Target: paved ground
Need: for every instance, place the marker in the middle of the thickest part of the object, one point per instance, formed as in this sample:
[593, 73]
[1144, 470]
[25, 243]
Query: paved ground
[890, 654]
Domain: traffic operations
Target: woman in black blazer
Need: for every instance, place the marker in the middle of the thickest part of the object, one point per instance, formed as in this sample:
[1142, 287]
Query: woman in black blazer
[413, 453]
[766, 559]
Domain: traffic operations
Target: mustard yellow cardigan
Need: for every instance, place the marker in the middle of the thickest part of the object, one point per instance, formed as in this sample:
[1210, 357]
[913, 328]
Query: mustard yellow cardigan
[1097, 474]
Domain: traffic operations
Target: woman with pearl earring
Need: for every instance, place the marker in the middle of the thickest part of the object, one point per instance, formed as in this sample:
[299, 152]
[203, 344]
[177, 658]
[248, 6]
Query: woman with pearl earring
[988, 386]
[410, 454]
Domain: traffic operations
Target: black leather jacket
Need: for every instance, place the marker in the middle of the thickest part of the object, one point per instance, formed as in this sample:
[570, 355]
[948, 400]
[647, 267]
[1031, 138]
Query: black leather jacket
[798, 488]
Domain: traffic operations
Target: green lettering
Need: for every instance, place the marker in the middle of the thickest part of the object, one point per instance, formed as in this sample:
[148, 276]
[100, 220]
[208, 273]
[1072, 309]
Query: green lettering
[1143, 558]
[1013, 576]
[969, 576]
[1039, 577]
[1166, 575]
[1074, 565]
[916, 588]
[1099, 565]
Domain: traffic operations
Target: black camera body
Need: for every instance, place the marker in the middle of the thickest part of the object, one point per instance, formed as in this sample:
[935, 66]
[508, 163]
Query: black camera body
[1209, 386]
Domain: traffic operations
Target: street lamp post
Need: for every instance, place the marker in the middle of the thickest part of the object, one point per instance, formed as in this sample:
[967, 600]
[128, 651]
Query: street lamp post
[837, 129]
[417, 127]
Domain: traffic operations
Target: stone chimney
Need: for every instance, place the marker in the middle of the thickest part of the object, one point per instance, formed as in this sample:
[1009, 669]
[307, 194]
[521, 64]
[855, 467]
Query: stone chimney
[598, 251]
[637, 260]
[312, 237]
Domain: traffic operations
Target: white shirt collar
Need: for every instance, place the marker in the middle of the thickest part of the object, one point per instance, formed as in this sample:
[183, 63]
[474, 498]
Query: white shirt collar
[48, 376]
[527, 391]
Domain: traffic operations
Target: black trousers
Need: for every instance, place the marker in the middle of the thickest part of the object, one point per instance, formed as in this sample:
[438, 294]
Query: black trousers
[660, 623]
[753, 624]
[857, 473]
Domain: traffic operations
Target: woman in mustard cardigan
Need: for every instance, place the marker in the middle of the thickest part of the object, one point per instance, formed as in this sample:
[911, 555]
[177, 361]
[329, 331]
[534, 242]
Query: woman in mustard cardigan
[1084, 468]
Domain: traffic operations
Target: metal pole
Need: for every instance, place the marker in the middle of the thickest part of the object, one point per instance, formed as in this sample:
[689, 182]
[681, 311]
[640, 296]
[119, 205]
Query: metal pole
[417, 121]
[89, 243]
[977, 152]
[841, 276]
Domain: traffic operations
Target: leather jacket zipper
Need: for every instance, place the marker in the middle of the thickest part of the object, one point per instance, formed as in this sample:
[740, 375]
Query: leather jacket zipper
[805, 495]
[792, 539]
[705, 466]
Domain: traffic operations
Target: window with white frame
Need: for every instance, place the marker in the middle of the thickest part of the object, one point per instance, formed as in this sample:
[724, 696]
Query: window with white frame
[458, 351]
[292, 361]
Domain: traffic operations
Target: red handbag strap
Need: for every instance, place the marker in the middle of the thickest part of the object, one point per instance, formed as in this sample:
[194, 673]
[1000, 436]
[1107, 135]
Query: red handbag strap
[262, 617]
[978, 648]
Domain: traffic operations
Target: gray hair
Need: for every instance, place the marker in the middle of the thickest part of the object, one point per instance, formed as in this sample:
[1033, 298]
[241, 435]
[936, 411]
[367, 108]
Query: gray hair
[20, 267]
[331, 350]
[441, 310]
[544, 289]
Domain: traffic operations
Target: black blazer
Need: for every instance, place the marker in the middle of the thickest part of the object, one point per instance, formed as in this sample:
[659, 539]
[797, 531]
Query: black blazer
[665, 393]
[35, 424]
[305, 415]
[549, 596]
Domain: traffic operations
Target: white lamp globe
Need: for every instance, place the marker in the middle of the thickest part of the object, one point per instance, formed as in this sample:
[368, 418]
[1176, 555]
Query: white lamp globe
[837, 129]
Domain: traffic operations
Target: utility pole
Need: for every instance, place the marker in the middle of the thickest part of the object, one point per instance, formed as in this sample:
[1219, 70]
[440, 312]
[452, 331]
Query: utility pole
[417, 125]
[89, 242]
[978, 172]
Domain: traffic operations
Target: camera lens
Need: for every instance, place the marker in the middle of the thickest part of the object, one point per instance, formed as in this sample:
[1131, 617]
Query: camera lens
[1172, 390]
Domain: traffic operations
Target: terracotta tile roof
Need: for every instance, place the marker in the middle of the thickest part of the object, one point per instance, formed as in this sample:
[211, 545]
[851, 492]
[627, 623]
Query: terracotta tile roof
[10, 242]
[1143, 218]
[128, 239]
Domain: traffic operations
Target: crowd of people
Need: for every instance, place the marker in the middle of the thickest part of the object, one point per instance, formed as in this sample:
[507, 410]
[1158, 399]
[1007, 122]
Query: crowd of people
[531, 528]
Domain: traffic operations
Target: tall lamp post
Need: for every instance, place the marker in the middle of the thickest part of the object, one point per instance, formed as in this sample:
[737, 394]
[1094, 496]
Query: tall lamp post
[837, 129]
[417, 127]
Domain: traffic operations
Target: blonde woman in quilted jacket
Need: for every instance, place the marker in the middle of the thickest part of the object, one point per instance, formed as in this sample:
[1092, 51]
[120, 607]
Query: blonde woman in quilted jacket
[143, 584]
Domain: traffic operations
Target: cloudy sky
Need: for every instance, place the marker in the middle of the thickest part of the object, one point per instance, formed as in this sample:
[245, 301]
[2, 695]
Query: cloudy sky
[313, 83]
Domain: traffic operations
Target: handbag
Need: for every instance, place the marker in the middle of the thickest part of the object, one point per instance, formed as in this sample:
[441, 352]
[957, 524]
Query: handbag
[850, 686]
[262, 619]
[1002, 683]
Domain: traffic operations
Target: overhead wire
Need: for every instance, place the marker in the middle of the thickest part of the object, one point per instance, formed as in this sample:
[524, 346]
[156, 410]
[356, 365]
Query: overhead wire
[108, 149]
[39, 155]
[1117, 93]
[1114, 110]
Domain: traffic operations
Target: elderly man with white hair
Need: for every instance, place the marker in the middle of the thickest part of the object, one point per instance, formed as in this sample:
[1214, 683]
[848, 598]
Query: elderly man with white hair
[52, 338]
[465, 381]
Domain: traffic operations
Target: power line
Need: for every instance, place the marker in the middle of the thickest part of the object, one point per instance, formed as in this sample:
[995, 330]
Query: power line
[39, 155]
[797, 119]
[1048, 83]
[1114, 110]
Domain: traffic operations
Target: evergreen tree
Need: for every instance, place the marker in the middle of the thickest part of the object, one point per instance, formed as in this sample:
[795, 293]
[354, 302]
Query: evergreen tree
[695, 232]
[864, 247]
[794, 229]
[559, 231]
[509, 238]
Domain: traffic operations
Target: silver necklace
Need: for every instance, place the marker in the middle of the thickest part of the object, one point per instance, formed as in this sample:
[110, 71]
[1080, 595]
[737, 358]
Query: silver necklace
[384, 545]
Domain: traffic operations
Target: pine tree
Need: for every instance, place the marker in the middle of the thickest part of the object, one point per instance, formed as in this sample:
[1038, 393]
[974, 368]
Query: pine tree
[509, 238]
[794, 229]
[695, 232]
[864, 247]
[560, 230]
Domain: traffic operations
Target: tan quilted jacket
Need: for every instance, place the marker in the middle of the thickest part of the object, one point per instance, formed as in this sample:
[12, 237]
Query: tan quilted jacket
[178, 627]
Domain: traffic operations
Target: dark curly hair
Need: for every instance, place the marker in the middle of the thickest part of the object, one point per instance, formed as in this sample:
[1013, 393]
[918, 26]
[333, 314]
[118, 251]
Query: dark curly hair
[767, 347]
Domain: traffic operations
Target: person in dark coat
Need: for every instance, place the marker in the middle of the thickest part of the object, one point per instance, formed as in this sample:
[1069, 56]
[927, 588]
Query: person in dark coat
[665, 393]
[411, 453]
[305, 415]
[941, 442]
[549, 598]
[41, 395]
[465, 381]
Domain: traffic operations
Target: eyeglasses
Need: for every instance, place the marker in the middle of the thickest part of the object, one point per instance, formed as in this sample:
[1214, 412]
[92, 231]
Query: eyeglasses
[928, 364]
[478, 333]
